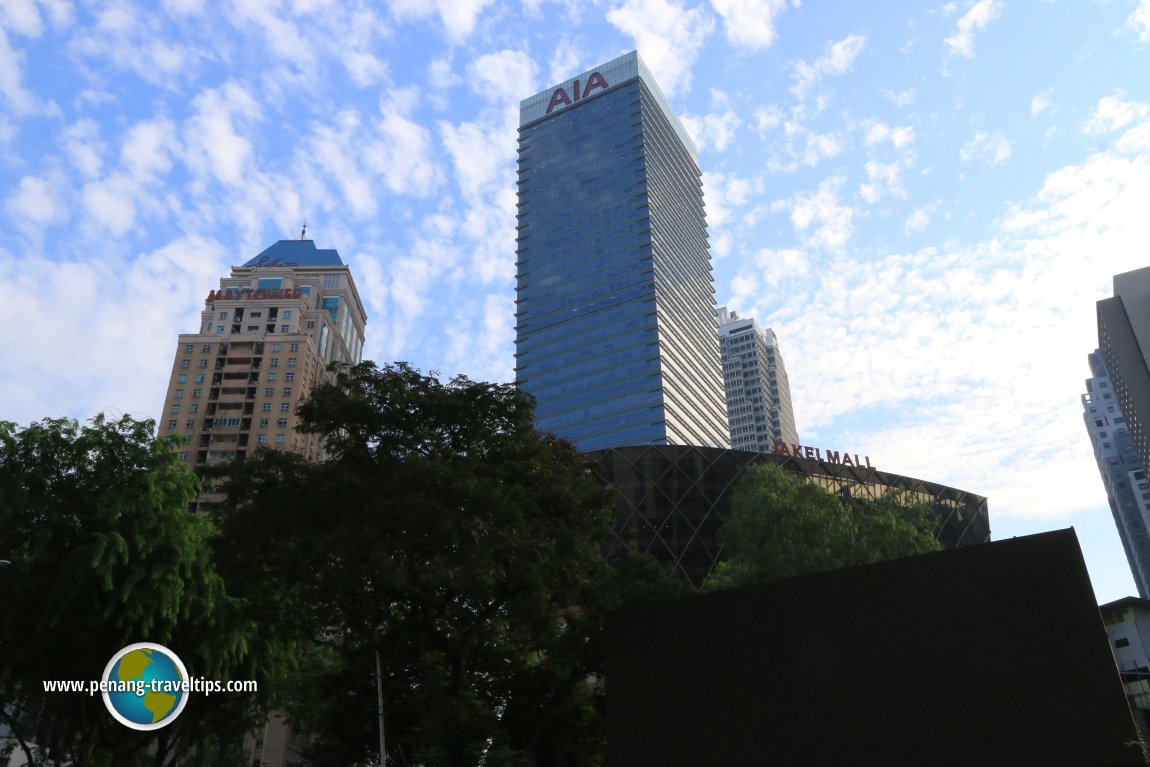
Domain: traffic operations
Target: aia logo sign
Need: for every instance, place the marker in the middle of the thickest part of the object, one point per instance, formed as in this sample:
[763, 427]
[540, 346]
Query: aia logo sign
[560, 98]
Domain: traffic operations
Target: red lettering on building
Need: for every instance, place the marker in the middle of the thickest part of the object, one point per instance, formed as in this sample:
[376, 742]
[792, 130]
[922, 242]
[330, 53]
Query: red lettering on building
[559, 96]
[832, 456]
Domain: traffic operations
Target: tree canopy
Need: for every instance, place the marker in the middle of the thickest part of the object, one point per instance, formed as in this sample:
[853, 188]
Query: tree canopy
[445, 532]
[782, 526]
[104, 553]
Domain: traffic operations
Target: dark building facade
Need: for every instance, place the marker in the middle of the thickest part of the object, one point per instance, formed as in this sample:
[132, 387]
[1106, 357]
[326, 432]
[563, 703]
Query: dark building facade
[1119, 396]
[615, 327]
[670, 501]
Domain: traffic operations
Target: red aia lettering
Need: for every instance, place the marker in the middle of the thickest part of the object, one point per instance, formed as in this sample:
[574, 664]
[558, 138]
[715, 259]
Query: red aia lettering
[559, 96]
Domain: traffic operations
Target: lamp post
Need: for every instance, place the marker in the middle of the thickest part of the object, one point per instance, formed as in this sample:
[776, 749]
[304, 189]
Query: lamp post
[379, 694]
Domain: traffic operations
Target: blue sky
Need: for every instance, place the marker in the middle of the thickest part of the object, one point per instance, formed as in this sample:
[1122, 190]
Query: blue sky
[923, 201]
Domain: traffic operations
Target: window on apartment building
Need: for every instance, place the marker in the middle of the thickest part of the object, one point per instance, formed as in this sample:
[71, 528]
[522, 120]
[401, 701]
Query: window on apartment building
[270, 282]
[175, 408]
[197, 393]
[311, 324]
[188, 348]
[194, 408]
[287, 391]
[207, 349]
[183, 455]
[190, 423]
[331, 280]
[289, 376]
[182, 378]
[287, 314]
[185, 364]
[276, 348]
[281, 422]
[263, 423]
[293, 347]
[280, 439]
[179, 392]
[172, 423]
[200, 378]
[1123, 642]
[202, 364]
[285, 407]
[291, 362]
[219, 328]
[266, 407]
[269, 392]
[261, 439]
[271, 376]
[285, 328]
[223, 315]
[275, 363]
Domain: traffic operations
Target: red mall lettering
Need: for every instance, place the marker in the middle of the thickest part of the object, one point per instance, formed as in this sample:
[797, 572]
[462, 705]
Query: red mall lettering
[559, 96]
[832, 456]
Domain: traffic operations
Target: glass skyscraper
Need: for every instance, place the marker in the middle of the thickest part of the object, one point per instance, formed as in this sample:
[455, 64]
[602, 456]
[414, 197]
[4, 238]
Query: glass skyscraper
[616, 336]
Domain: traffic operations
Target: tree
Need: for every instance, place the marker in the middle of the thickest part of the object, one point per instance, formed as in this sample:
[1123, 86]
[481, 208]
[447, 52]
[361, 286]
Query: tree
[444, 532]
[104, 553]
[782, 526]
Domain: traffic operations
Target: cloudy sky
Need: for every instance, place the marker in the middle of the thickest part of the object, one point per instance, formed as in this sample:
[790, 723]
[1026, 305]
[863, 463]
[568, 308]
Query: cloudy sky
[923, 202]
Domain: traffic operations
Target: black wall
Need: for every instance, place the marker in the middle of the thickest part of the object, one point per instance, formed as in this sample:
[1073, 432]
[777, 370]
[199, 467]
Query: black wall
[992, 654]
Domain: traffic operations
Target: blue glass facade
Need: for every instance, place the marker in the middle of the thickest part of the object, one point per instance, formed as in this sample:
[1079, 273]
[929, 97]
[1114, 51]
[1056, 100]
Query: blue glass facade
[615, 327]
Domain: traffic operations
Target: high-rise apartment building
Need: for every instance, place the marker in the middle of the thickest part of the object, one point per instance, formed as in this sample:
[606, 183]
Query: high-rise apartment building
[758, 390]
[1117, 414]
[266, 337]
[615, 326]
[1127, 488]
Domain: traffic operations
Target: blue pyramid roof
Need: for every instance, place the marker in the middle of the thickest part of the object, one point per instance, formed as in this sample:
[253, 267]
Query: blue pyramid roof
[296, 253]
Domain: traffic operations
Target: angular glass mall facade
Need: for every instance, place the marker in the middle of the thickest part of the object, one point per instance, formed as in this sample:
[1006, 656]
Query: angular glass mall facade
[615, 326]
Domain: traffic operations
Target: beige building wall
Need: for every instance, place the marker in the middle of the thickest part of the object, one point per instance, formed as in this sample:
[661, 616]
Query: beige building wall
[266, 337]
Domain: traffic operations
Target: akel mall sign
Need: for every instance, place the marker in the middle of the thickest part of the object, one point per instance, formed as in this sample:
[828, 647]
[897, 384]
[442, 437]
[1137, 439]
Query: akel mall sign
[830, 456]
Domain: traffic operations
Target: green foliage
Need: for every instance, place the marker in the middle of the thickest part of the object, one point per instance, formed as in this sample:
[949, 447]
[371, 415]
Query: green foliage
[104, 553]
[444, 531]
[782, 527]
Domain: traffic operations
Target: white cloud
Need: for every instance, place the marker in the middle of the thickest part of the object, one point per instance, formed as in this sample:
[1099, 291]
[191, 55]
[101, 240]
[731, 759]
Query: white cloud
[1039, 104]
[213, 143]
[84, 146]
[768, 118]
[838, 60]
[459, 17]
[819, 220]
[669, 36]
[1113, 113]
[404, 153]
[161, 290]
[502, 77]
[918, 220]
[883, 179]
[961, 43]
[750, 24]
[21, 16]
[36, 202]
[22, 101]
[991, 149]
[1139, 21]
[902, 98]
[901, 136]
[715, 130]
[564, 61]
